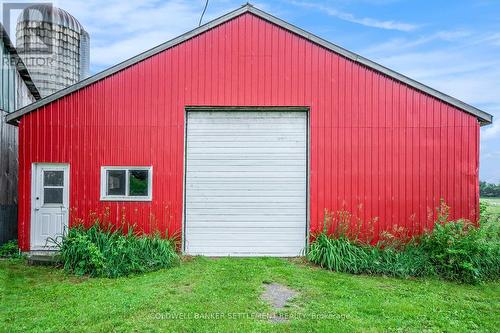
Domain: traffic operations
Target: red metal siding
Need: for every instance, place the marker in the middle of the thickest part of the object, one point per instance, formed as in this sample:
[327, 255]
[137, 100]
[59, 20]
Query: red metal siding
[378, 147]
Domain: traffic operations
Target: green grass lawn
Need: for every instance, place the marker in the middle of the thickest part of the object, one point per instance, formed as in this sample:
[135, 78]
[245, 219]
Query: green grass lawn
[494, 205]
[189, 298]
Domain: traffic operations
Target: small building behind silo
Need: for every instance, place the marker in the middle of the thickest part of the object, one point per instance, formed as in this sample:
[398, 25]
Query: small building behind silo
[16, 91]
[54, 46]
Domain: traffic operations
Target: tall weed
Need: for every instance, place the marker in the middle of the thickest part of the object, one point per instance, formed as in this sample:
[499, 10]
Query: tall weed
[453, 250]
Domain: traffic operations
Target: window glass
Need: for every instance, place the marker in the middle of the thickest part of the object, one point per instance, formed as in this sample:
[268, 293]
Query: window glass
[126, 183]
[53, 195]
[138, 182]
[53, 178]
[116, 182]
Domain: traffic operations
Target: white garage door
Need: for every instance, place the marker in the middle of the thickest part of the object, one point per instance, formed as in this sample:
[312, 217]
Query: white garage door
[246, 175]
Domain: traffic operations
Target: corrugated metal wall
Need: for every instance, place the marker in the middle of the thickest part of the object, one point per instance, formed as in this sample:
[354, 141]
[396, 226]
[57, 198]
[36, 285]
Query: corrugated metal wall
[8, 180]
[13, 94]
[378, 147]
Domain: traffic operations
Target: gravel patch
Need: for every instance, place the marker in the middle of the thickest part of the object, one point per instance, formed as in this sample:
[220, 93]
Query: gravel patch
[277, 295]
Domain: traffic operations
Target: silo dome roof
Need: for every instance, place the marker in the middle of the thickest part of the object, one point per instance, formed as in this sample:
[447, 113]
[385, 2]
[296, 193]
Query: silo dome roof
[50, 14]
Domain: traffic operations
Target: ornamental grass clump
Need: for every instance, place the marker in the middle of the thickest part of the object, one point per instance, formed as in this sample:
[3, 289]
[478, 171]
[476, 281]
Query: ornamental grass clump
[110, 252]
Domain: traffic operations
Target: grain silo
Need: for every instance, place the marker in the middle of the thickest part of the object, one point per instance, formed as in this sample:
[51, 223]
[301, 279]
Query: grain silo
[54, 46]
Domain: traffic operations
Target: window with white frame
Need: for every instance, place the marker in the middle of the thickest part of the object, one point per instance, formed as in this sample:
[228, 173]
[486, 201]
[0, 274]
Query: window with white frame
[119, 183]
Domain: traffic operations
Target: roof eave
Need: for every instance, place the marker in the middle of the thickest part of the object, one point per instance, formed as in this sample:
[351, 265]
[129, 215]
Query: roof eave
[484, 118]
[19, 63]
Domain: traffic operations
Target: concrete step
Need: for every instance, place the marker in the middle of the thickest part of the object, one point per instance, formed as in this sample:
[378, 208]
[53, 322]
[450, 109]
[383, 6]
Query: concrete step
[43, 257]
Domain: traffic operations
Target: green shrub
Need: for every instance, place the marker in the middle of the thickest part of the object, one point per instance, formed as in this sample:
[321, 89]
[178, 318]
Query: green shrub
[9, 249]
[453, 250]
[483, 208]
[459, 252]
[390, 261]
[111, 253]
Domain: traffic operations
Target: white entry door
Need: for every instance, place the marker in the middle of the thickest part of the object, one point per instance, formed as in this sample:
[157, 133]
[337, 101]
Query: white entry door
[246, 183]
[50, 204]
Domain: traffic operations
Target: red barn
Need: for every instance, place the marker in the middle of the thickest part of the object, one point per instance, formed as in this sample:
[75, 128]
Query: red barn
[237, 135]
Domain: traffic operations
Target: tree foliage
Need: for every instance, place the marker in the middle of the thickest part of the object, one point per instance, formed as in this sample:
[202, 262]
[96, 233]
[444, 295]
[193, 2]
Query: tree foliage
[487, 190]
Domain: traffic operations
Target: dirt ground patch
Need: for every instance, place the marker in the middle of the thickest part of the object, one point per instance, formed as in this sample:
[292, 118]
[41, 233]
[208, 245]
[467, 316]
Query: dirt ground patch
[277, 295]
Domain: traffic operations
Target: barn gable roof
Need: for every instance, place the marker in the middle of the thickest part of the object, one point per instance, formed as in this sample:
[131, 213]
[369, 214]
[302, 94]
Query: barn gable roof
[484, 118]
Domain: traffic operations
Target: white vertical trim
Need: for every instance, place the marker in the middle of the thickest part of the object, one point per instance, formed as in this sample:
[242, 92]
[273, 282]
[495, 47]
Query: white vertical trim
[187, 111]
[197, 200]
[183, 219]
[37, 186]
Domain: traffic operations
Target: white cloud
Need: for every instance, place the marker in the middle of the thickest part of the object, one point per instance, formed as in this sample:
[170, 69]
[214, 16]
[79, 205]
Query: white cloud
[467, 73]
[122, 29]
[451, 72]
[491, 133]
[493, 39]
[120, 50]
[462, 64]
[403, 43]
[366, 21]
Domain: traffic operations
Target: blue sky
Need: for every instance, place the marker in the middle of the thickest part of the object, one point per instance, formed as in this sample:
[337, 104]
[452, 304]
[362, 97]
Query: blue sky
[453, 46]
